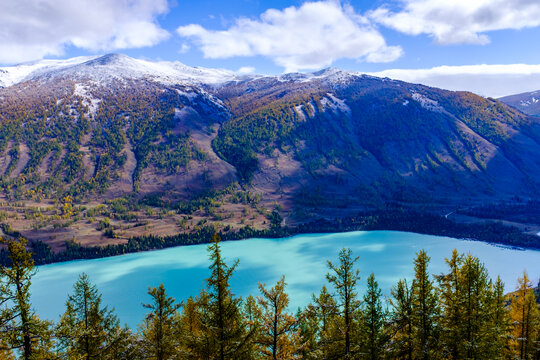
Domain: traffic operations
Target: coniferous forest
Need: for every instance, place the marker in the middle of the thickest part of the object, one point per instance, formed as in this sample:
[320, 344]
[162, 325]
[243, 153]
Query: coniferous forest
[460, 314]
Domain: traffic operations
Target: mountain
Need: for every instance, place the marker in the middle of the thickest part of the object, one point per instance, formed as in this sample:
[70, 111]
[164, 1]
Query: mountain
[103, 148]
[528, 103]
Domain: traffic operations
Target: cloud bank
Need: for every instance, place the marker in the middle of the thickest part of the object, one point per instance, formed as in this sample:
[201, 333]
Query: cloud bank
[298, 38]
[486, 80]
[33, 29]
[459, 21]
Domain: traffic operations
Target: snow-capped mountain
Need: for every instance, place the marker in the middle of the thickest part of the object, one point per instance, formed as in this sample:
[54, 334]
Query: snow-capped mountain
[111, 127]
[109, 67]
[113, 66]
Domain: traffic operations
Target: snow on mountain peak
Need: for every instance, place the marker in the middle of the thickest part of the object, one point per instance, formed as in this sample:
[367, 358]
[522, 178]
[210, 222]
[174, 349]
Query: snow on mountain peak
[332, 75]
[109, 59]
[103, 69]
[11, 75]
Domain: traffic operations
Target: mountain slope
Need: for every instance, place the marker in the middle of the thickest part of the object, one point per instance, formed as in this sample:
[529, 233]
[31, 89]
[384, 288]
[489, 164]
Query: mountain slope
[528, 103]
[116, 139]
[383, 137]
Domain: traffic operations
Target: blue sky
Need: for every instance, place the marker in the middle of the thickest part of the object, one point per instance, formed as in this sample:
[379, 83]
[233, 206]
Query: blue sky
[277, 36]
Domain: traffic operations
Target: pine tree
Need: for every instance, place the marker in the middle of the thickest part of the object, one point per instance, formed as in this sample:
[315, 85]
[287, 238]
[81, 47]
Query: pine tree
[87, 330]
[344, 278]
[373, 321]
[21, 328]
[279, 337]
[401, 321]
[525, 316]
[425, 310]
[160, 328]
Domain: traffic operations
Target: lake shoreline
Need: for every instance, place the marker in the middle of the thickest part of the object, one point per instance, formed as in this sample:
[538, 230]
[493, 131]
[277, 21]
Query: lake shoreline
[494, 244]
[392, 220]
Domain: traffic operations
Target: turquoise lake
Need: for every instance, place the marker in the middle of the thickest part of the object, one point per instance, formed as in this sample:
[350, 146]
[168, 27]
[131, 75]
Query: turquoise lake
[124, 280]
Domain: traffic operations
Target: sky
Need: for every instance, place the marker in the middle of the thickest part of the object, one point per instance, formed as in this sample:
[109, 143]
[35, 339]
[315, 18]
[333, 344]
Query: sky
[486, 46]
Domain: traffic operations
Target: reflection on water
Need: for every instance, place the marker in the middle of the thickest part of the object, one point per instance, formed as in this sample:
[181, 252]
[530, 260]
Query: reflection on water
[124, 280]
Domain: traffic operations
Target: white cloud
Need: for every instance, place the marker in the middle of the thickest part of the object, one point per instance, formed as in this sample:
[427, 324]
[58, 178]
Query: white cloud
[459, 21]
[244, 70]
[184, 48]
[485, 80]
[33, 29]
[307, 37]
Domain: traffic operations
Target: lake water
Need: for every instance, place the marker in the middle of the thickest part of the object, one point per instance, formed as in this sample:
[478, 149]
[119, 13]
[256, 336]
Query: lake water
[124, 280]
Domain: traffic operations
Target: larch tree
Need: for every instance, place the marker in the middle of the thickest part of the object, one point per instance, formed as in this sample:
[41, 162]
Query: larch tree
[221, 317]
[319, 326]
[499, 324]
[525, 316]
[344, 277]
[308, 330]
[401, 322]
[253, 318]
[6, 317]
[279, 338]
[87, 330]
[374, 319]
[195, 344]
[451, 301]
[160, 328]
[21, 328]
[426, 312]
[476, 326]
[473, 315]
